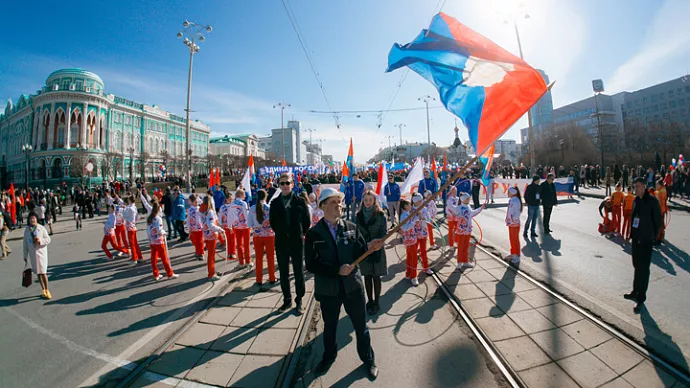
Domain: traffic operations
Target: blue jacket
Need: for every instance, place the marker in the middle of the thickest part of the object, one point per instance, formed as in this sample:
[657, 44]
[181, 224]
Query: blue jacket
[218, 198]
[179, 210]
[359, 189]
[392, 192]
[428, 184]
[464, 185]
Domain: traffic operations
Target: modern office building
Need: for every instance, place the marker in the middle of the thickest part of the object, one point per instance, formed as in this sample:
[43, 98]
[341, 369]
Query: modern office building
[508, 148]
[71, 121]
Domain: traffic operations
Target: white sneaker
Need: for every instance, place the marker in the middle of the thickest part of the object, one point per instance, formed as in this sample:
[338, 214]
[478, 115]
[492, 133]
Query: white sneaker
[250, 266]
[120, 254]
[468, 265]
[214, 278]
[516, 259]
[459, 266]
[159, 278]
[415, 282]
[433, 247]
[174, 276]
[428, 271]
[509, 257]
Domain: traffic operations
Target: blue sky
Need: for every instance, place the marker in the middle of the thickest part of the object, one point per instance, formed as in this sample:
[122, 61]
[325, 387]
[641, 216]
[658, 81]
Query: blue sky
[253, 60]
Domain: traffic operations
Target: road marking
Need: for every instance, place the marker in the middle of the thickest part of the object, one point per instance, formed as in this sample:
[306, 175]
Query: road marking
[120, 362]
[127, 353]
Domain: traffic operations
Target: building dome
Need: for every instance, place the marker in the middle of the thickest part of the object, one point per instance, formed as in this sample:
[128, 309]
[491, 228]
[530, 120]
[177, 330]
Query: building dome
[80, 78]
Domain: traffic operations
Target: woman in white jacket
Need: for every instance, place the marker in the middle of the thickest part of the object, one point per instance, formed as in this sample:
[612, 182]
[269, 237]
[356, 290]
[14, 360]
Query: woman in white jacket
[36, 240]
[513, 223]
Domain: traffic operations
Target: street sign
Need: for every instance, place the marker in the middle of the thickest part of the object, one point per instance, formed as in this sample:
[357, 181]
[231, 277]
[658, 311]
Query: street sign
[598, 86]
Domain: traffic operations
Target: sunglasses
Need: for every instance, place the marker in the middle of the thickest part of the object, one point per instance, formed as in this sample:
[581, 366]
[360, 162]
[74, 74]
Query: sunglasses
[285, 183]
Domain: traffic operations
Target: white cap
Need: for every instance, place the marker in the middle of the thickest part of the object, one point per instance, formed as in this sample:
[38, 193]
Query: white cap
[512, 191]
[427, 193]
[416, 197]
[329, 192]
[464, 196]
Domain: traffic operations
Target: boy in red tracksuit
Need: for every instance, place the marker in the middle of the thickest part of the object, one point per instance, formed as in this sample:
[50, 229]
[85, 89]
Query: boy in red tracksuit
[264, 238]
[451, 217]
[109, 235]
[120, 233]
[409, 237]
[617, 209]
[156, 235]
[196, 234]
[130, 216]
[224, 213]
[431, 211]
[463, 232]
[211, 231]
[238, 219]
[628, 202]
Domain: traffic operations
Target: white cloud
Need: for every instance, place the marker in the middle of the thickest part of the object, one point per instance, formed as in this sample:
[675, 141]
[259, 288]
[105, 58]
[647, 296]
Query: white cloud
[667, 38]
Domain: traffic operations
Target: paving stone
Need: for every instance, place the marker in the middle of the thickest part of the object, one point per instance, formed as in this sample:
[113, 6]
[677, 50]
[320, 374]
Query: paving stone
[235, 298]
[556, 343]
[482, 307]
[235, 340]
[490, 264]
[467, 292]
[520, 284]
[274, 342]
[617, 355]
[522, 353]
[547, 376]
[537, 298]
[265, 300]
[257, 371]
[176, 361]
[251, 317]
[502, 273]
[617, 383]
[215, 368]
[153, 380]
[493, 288]
[586, 333]
[200, 335]
[499, 328]
[531, 321]
[510, 302]
[645, 375]
[478, 275]
[282, 321]
[587, 370]
[221, 315]
[560, 314]
[247, 285]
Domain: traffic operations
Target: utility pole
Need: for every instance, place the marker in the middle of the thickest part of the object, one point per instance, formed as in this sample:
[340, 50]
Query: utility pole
[530, 134]
[400, 127]
[389, 144]
[426, 100]
[282, 107]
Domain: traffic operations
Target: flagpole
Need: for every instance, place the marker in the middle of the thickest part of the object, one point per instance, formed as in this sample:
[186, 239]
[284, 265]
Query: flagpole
[416, 211]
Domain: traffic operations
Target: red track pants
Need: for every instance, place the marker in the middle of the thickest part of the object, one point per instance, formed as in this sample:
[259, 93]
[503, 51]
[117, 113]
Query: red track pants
[463, 247]
[265, 244]
[231, 245]
[412, 250]
[211, 259]
[134, 244]
[514, 232]
[451, 232]
[109, 238]
[197, 238]
[158, 251]
[242, 240]
[121, 236]
[627, 218]
[617, 224]
[430, 229]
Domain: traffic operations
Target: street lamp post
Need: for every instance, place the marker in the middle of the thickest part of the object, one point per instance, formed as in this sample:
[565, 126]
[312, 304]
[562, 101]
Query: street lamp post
[191, 32]
[282, 107]
[562, 143]
[131, 163]
[26, 149]
[400, 126]
[426, 100]
[389, 144]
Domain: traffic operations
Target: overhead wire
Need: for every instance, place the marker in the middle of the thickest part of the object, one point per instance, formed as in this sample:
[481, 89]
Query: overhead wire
[300, 38]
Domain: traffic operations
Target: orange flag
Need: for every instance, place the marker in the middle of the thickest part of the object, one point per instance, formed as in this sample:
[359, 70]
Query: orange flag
[283, 163]
[346, 171]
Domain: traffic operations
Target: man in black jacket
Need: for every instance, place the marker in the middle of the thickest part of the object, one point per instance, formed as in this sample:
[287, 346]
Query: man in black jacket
[167, 203]
[532, 199]
[290, 219]
[331, 246]
[645, 227]
[548, 200]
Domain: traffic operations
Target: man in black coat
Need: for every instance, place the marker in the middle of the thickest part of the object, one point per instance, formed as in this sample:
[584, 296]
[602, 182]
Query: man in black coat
[532, 193]
[167, 203]
[289, 218]
[331, 246]
[548, 200]
[645, 227]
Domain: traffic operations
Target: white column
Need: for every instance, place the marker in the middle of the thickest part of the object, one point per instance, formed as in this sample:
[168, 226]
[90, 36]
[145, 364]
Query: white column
[69, 125]
[97, 132]
[53, 117]
[83, 126]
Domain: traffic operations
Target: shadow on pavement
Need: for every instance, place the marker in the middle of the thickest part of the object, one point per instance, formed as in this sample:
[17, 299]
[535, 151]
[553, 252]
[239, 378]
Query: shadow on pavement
[675, 254]
[662, 343]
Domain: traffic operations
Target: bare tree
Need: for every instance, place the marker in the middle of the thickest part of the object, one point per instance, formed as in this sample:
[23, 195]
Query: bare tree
[78, 164]
[143, 159]
[165, 156]
[108, 166]
[117, 164]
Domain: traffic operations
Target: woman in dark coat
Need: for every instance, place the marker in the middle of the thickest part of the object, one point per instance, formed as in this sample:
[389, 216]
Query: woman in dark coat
[371, 221]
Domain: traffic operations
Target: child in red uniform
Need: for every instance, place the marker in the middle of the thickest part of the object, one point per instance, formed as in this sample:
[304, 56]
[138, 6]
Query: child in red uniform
[264, 238]
[421, 232]
[451, 217]
[159, 250]
[617, 207]
[130, 216]
[409, 237]
[210, 231]
[120, 233]
[431, 211]
[109, 235]
[628, 202]
[238, 219]
[195, 227]
[463, 232]
[513, 223]
[229, 237]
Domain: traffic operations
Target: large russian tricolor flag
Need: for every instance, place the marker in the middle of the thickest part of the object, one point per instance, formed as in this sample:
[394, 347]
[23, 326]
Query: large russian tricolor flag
[487, 87]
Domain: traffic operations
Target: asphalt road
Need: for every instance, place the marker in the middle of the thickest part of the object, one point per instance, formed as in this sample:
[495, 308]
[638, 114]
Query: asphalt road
[104, 315]
[595, 271]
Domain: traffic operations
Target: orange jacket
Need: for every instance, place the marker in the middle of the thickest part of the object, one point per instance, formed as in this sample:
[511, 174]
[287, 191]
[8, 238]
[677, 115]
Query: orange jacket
[662, 197]
[628, 201]
[617, 198]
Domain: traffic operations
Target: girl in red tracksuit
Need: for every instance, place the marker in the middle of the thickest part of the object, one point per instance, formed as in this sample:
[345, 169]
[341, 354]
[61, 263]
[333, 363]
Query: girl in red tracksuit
[513, 223]
[109, 234]
[195, 227]
[464, 229]
[431, 211]
[229, 237]
[419, 230]
[451, 217]
[159, 250]
[238, 219]
[211, 231]
[120, 232]
[264, 238]
[130, 216]
[409, 237]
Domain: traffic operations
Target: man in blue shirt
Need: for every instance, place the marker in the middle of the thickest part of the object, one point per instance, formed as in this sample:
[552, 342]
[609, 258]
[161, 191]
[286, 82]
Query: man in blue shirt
[358, 188]
[179, 214]
[463, 184]
[428, 183]
[392, 193]
[218, 198]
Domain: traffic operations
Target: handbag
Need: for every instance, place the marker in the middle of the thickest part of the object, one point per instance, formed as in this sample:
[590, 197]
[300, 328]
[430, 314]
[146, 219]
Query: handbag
[26, 277]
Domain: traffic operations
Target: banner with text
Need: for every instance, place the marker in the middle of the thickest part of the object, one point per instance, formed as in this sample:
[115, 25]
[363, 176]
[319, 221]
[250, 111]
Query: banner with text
[564, 186]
